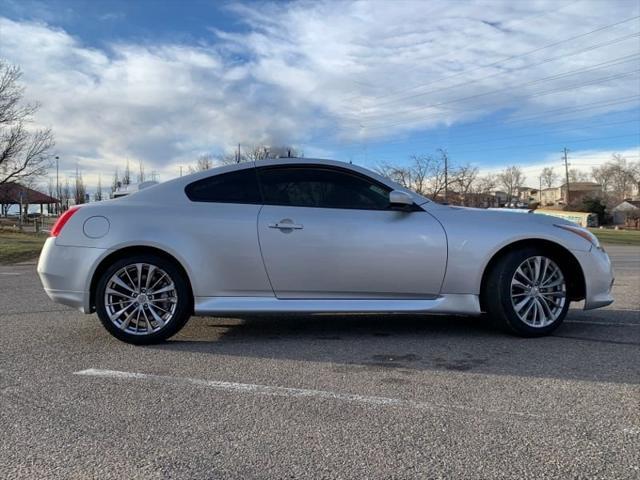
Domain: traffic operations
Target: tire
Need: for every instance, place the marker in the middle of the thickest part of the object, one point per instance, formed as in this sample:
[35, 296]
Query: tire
[526, 292]
[143, 299]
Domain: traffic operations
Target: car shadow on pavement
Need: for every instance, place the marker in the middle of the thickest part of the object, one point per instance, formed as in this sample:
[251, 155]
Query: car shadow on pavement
[598, 346]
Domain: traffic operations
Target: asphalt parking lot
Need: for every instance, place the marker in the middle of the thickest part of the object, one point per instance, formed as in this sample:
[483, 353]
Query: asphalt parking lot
[319, 396]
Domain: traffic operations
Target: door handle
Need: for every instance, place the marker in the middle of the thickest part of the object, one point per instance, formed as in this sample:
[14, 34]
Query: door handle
[286, 226]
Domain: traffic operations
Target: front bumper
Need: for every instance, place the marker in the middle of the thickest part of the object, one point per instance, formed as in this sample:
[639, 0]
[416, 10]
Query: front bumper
[598, 276]
[65, 273]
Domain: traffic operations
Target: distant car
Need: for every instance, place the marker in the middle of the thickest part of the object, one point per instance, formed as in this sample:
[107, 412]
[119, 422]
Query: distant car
[303, 235]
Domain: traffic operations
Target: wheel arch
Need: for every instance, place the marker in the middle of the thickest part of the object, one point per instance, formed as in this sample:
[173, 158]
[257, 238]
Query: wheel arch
[576, 285]
[129, 251]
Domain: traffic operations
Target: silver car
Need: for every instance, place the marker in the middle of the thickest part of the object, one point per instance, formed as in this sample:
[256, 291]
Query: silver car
[303, 235]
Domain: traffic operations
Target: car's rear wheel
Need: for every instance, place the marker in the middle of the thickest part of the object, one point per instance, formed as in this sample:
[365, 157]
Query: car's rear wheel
[526, 292]
[143, 299]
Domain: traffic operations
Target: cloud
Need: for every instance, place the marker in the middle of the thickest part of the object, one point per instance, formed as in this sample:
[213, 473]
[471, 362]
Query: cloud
[347, 70]
[111, 16]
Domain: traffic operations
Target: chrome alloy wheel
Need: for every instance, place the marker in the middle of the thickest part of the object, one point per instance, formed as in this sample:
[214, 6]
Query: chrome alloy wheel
[538, 291]
[140, 298]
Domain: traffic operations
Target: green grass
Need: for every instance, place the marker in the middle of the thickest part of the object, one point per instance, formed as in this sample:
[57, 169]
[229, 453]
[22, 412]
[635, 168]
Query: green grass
[19, 247]
[617, 237]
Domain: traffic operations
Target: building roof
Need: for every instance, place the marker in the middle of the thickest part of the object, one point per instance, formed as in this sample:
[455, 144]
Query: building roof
[634, 203]
[10, 193]
[582, 186]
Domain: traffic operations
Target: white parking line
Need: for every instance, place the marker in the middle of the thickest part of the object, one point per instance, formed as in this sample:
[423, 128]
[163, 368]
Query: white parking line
[256, 389]
[606, 324]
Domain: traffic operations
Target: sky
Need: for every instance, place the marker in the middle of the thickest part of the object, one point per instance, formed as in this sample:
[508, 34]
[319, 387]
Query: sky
[495, 83]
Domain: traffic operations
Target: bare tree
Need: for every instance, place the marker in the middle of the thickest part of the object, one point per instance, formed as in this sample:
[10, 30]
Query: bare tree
[618, 178]
[420, 173]
[98, 195]
[424, 175]
[79, 192]
[65, 195]
[549, 177]
[259, 152]
[576, 175]
[23, 153]
[463, 179]
[398, 174]
[623, 176]
[483, 187]
[511, 179]
[634, 172]
[603, 176]
[437, 175]
[115, 185]
[204, 162]
[486, 184]
[141, 175]
[126, 177]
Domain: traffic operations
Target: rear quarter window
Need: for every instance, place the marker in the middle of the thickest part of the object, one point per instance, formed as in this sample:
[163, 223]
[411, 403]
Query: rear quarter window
[233, 187]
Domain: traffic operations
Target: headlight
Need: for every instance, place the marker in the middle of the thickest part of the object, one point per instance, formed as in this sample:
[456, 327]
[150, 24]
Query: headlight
[583, 232]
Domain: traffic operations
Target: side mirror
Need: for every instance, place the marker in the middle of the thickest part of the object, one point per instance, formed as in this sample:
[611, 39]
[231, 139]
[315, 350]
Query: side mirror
[400, 200]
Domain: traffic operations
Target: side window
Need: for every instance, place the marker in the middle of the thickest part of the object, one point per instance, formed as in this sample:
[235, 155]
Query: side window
[321, 187]
[233, 187]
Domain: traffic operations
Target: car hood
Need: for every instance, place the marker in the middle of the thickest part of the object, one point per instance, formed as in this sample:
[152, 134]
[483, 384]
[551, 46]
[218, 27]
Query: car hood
[498, 217]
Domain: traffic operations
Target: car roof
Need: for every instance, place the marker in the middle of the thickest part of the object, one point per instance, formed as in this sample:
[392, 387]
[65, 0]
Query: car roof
[178, 184]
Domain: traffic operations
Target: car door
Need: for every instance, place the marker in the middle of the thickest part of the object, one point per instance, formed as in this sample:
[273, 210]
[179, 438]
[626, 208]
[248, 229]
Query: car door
[222, 243]
[329, 232]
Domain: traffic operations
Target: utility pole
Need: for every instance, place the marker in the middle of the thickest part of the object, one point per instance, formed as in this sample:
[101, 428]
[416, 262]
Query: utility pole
[180, 170]
[540, 191]
[445, 157]
[446, 179]
[566, 170]
[238, 157]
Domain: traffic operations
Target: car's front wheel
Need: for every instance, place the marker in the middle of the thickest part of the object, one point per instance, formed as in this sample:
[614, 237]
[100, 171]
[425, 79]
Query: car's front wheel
[143, 299]
[526, 291]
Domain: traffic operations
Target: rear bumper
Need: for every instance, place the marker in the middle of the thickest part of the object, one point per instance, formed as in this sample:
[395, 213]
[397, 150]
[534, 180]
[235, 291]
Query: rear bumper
[65, 273]
[598, 275]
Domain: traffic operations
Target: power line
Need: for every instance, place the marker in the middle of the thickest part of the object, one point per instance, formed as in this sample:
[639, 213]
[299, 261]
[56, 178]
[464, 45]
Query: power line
[532, 95]
[523, 120]
[512, 57]
[564, 111]
[472, 45]
[524, 67]
[545, 144]
[547, 124]
[510, 137]
[591, 139]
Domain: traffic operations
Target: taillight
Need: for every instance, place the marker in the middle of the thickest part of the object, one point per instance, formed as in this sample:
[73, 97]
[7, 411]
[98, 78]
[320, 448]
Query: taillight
[62, 220]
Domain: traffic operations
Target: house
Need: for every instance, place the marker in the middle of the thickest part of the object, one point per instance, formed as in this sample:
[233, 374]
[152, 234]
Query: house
[578, 191]
[550, 196]
[499, 198]
[528, 195]
[626, 211]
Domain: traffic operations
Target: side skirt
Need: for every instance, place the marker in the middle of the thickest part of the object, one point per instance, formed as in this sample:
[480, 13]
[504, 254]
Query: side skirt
[463, 304]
